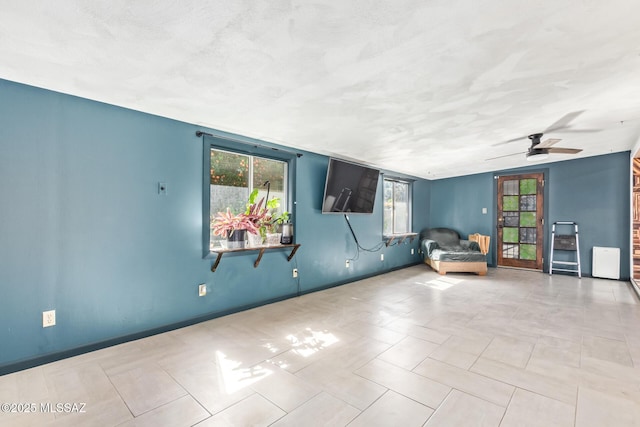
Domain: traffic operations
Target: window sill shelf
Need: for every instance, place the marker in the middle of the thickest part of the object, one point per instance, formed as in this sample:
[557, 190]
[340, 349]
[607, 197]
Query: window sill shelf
[219, 251]
[399, 237]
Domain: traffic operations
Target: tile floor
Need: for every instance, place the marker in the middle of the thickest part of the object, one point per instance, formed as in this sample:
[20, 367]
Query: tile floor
[408, 348]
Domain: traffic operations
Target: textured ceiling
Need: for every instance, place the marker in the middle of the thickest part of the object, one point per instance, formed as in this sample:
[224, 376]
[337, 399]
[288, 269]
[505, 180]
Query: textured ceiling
[421, 87]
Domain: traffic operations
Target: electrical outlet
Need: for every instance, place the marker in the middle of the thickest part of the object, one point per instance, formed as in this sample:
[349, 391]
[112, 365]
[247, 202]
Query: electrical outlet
[48, 318]
[412, 251]
[295, 272]
[381, 257]
[202, 290]
[346, 263]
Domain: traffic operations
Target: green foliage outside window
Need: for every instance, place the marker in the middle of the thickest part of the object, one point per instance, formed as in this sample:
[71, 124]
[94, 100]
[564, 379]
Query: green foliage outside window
[268, 170]
[229, 169]
[232, 170]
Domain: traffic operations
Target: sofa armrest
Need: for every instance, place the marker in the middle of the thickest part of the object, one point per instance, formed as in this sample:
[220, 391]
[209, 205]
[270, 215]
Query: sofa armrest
[472, 246]
[428, 246]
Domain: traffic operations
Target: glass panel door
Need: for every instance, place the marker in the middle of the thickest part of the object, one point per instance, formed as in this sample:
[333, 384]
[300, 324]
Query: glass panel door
[520, 225]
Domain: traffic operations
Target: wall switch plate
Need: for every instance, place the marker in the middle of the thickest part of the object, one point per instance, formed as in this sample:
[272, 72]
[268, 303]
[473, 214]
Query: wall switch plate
[346, 263]
[484, 211]
[295, 272]
[412, 251]
[48, 318]
[381, 257]
[202, 290]
[162, 188]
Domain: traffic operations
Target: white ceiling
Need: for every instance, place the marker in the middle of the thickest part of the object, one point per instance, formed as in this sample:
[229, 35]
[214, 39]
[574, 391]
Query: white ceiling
[423, 87]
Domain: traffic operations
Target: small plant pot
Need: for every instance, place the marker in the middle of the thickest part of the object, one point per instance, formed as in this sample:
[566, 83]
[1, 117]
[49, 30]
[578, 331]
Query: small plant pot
[236, 239]
[254, 240]
[273, 238]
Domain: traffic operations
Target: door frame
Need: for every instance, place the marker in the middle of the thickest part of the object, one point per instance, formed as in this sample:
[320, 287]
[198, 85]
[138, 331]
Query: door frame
[545, 227]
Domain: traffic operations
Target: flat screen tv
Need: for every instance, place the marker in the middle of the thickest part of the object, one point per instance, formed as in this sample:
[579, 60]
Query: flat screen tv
[349, 188]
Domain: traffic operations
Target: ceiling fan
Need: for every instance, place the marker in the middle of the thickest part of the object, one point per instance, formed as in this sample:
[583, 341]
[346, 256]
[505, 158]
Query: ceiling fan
[541, 150]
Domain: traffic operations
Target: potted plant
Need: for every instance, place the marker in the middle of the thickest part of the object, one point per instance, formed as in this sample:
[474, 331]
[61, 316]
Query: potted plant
[274, 227]
[266, 220]
[234, 227]
[259, 214]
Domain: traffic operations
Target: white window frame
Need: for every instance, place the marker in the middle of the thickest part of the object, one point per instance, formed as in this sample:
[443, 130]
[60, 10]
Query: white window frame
[409, 185]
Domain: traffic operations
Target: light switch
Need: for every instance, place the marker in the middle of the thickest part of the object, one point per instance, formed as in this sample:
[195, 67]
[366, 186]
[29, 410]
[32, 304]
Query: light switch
[484, 211]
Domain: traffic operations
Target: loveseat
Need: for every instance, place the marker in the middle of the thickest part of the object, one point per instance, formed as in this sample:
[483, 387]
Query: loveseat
[445, 252]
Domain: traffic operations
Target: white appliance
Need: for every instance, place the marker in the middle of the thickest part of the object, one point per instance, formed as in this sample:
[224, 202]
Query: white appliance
[606, 262]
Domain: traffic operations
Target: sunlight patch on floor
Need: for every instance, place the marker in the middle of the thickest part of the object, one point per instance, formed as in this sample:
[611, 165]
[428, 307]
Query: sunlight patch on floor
[271, 347]
[441, 283]
[311, 342]
[234, 377]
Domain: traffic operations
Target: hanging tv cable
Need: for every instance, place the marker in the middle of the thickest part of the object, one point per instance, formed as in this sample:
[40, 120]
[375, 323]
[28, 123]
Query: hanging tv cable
[359, 247]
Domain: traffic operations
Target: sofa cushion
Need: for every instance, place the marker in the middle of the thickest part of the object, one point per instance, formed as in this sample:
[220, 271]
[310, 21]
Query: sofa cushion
[459, 256]
[445, 237]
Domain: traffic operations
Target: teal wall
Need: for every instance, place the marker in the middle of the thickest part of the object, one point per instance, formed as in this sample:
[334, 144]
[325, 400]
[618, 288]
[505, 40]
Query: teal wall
[594, 192]
[457, 203]
[84, 231]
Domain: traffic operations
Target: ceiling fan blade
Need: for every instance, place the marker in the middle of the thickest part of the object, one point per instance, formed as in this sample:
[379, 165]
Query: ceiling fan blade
[506, 155]
[507, 142]
[548, 143]
[569, 130]
[560, 150]
[564, 121]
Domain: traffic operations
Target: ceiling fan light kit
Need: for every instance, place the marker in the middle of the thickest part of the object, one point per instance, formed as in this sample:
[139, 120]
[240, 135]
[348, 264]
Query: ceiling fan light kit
[535, 152]
[536, 155]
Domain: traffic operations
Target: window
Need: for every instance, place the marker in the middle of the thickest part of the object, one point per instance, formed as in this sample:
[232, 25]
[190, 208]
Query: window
[233, 176]
[397, 206]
